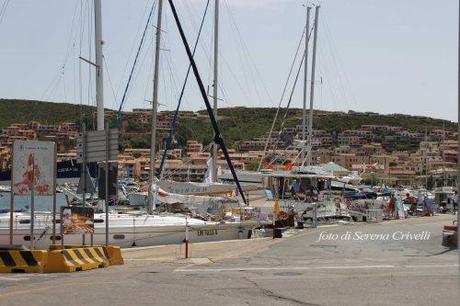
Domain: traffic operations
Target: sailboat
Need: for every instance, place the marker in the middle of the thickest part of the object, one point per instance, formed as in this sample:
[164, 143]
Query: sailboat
[130, 228]
[306, 188]
[303, 188]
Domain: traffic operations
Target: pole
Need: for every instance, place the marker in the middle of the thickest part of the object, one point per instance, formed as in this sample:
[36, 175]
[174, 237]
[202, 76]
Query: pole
[312, 88]
[155, 106]
[304, 109]
[315, 215]
[83, 166]
[425, 158]
[458, 143]
[12, 198]
[32, 205]
[54, 193]
[215, 84]
[61, 226]
[106, 178]
[83, 170]
[275, 207]
[186, 236]
[99, 65]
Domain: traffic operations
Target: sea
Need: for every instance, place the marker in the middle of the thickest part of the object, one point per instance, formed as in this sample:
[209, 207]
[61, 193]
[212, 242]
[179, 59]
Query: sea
[41, 203]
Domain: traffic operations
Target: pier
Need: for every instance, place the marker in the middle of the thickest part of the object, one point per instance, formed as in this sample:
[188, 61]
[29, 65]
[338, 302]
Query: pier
[295, 270]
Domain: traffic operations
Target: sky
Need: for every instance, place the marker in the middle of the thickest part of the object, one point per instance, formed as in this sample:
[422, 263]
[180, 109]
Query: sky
[386, 56]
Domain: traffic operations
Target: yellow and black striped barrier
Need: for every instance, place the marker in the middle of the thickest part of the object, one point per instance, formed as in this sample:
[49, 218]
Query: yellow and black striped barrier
[59, 259]
[77, 259]
[113, 254]
[23, 261]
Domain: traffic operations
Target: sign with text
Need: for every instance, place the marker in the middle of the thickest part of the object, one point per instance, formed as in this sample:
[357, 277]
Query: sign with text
[93, 146]
[34, 166]
[77, 220]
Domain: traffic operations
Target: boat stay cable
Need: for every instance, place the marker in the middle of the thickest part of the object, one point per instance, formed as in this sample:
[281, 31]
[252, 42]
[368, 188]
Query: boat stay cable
[133, 67]
[267, 143]
[179, 102]
[217, 135]
[284, 120]
[3, 8]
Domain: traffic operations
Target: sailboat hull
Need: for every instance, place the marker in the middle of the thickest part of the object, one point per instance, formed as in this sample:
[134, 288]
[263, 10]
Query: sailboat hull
[131, 232]
[141, 237]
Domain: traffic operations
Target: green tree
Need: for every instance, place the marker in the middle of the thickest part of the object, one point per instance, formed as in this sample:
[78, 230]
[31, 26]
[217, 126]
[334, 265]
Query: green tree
[139, 142]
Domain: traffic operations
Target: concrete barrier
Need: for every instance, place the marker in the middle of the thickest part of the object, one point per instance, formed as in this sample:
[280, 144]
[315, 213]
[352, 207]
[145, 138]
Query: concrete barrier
[22, 261]
[78, 259]
[113, 253]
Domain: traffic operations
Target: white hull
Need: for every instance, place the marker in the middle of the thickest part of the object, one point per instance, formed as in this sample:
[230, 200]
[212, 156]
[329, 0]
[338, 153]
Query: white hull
[142, 231]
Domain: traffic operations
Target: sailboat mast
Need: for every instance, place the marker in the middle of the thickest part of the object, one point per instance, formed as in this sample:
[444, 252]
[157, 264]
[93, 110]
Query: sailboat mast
[312, 88]
[305, 85]
[99, 65]
[155, 105]
[215, 84]
[458, 136]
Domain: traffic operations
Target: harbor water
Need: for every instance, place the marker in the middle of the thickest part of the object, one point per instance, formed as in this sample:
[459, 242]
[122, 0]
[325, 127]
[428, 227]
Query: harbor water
[42, 203]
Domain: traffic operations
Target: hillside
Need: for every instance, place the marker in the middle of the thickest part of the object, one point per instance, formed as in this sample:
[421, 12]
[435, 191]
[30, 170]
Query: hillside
[23, 111]
[237, 124]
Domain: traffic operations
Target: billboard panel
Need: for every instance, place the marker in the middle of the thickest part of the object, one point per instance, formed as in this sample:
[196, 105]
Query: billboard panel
[34, 164]
[77, 220]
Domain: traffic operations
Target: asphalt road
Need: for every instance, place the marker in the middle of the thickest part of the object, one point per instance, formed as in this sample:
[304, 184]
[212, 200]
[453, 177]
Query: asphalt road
[347, 269]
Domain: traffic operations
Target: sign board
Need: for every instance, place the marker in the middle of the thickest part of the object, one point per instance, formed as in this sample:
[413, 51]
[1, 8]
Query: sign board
[34, 167]
[98, 157]
[92, 146]
[77, 220]
[96, 136]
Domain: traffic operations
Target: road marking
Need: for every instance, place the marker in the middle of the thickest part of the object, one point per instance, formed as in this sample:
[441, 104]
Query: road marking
[141, 259]
[14, 279]
[305, 268]
[242, 269]
[53, 288]
[432, 266]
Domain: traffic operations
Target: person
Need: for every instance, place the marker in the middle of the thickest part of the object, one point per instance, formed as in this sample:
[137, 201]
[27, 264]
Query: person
[296, 187]
[428, 206]
[420, 200]
[310, 195]
[391, 205]
[412, 202]
[314, 194]
[400, 214]
[281, 189]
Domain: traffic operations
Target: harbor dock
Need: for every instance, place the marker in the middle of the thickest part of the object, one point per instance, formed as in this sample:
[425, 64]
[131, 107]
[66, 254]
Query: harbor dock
[297, 270]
